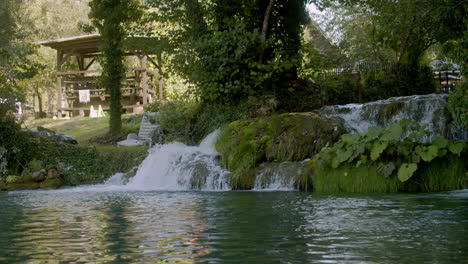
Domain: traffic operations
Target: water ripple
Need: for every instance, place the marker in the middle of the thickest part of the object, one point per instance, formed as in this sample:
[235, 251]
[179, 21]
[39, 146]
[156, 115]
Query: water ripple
[232, 227]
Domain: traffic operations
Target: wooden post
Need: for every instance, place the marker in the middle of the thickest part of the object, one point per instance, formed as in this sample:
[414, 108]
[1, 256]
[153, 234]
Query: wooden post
[59, 84]
[161, 87]
[144, 78]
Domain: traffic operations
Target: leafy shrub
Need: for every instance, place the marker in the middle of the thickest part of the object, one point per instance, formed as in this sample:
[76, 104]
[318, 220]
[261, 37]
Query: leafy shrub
[414, 80]
[154, 107]
[386, 151]
[339, 89]
[190, 122]
[226, 66]
[87, 164]
[458, 101]
[379, 85]
[215, 115]
[376, 85]
[15, 147]
[176, 120]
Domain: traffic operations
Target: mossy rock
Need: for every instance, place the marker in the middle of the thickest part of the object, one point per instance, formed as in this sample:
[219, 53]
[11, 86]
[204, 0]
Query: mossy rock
[22, 186]
[441, 174]
[244, 144]
[3, 186]
[51, 183]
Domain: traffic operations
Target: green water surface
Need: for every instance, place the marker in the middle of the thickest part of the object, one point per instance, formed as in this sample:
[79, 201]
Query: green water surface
[232, 227]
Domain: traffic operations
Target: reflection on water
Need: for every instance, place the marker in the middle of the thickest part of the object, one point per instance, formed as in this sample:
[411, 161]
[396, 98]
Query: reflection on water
[232, 227]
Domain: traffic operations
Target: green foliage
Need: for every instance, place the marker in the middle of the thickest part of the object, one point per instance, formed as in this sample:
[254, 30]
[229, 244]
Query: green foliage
[15, 147]
[35, 165]
[111, 17]
[406, 170]
[232, 49]
[12, 179]
[176, 120]
[338, 90]
[458, 102]
[190, 122]
[86, 164]
[442, 174]
[376, 85]
[228, 67]
[386, 150]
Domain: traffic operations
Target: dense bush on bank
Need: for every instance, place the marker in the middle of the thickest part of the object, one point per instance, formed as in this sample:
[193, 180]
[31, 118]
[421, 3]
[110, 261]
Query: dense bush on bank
[379, 160]
[28, 162]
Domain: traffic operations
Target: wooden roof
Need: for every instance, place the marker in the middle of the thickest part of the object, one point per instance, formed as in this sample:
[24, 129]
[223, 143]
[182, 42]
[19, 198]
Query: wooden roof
[89, 44]
[80, 44]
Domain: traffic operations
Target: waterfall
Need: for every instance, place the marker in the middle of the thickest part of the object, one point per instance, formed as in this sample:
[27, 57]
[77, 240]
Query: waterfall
[176, 166]
[430, 110]
[282, 176]
[173, 166]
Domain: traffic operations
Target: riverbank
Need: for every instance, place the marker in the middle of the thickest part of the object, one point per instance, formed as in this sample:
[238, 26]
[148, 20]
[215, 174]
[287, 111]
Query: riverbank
[52, 164]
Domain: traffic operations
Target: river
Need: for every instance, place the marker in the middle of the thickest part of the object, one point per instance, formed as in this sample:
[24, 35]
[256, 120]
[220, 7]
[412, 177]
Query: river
[75, 225]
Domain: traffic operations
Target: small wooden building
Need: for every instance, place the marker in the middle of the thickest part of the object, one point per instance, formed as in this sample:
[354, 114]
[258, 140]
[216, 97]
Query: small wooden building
[79, 89]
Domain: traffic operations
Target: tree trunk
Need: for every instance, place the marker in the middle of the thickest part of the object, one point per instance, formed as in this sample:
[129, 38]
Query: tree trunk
[266, 20]
[39, 101]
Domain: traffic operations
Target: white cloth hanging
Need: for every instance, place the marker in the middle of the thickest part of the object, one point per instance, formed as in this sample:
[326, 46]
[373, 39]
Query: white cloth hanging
[84, 96]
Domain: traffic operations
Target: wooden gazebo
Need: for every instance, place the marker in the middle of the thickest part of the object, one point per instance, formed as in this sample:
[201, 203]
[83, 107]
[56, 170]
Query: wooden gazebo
[79, 89]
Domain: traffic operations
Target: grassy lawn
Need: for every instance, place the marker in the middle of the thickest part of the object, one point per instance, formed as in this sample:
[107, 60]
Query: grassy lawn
[84, 129]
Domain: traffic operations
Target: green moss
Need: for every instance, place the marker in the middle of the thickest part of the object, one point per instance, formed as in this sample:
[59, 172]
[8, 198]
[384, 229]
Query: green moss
[12, 179]
[244, 144]
[51, 183]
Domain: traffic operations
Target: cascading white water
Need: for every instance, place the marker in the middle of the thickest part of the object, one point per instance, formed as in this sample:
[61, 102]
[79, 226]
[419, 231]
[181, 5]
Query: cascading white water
[176, 166]
[283, 176]
[430, 110]
[173, 166]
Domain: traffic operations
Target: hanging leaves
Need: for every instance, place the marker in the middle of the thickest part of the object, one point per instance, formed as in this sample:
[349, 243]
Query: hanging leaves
[382, 148]
[406, 171]
[429, 153]
[377, 148]
[456, 148]
[385, 169]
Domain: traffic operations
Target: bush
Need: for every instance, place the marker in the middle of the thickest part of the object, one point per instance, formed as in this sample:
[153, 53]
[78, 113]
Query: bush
[382, 159]
[15, 147]
[215, 115]
[458, 101]
[376, 85]
[414, 80]
[190, 122]
[176, 120]
[379, 85]
[86, 164]
[338, 89]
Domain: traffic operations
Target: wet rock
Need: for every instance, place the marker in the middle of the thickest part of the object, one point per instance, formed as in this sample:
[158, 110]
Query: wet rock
[61, 168]
[51, 183]
[132, 136]
[38, 176]
[52, 173]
